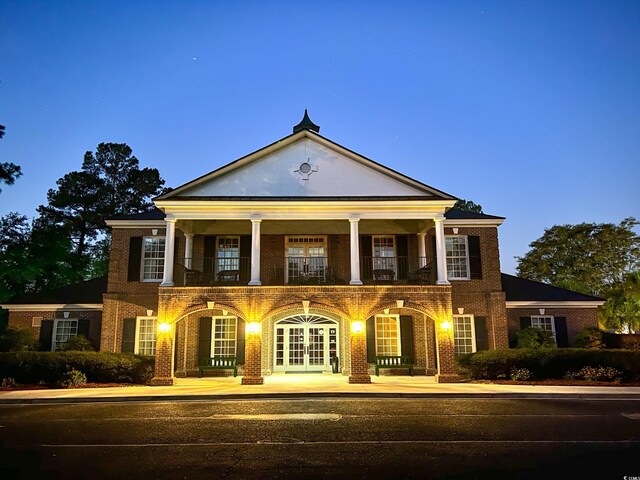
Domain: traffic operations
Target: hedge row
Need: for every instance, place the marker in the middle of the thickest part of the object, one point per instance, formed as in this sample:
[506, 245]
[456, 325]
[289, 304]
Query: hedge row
[99, 367]
[547, 363]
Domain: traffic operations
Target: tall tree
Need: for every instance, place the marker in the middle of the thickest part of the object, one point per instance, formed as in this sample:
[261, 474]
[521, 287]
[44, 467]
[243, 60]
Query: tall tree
[468, 206]
[588, 257]
[9, 172]
[622, 308]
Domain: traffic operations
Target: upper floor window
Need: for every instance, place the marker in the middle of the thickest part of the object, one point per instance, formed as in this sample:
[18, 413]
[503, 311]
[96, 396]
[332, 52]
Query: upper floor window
[228, 254]
[384, 252]
[388, 335]
[152, 259]
[544, 323]
[464, 338]
[457, 257]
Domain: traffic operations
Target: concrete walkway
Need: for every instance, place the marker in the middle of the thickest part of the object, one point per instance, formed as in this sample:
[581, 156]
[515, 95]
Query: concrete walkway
[310, 386]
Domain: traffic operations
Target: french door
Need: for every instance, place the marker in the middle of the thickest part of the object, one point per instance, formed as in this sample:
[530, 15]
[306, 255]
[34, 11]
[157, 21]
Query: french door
[305, 347]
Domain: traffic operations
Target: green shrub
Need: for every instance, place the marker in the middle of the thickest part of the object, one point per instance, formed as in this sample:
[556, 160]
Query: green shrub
[99, 367]
[534, 338]
[520, 374]
[8, 382]
[14, 339]
[591, 338]
[72, 378]
[79, 343]
[547, 363]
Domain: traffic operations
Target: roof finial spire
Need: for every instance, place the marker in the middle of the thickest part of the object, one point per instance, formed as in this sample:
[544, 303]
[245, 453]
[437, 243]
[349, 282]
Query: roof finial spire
[306, 124]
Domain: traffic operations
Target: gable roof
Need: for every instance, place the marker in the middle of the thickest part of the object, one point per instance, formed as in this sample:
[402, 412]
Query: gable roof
[422, 191]
[456, 214]
[87, 292]
[153, 214]
[521, 290]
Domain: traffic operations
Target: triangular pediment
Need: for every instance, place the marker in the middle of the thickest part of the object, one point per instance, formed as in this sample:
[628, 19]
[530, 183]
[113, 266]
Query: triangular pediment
[304, 164]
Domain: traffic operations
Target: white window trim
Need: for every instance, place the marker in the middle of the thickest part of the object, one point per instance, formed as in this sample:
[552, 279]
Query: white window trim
[150, 280]
[213, 324]
[553, 324]
[375, 331]
[466, 246]
[474, 346]
[55, 329]
[217, 258]
[136, 346]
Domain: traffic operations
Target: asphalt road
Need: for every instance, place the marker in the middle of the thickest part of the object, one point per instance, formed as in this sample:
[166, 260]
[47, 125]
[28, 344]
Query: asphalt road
[323, 438]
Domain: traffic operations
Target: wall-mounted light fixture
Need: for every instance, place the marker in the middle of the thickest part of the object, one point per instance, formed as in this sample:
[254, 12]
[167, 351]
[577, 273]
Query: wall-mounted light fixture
[164, 327]
[253, 328]
[357, 327]
[446, 325]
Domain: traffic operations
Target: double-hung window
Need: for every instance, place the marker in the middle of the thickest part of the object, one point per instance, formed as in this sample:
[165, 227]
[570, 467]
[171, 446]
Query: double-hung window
[228, 255]
[388, 335]
[464, 335]
[384, 253]
[146, 336]
[544, 323]
[224, 336]
[152, 259]
[63, 330]
[457, 248]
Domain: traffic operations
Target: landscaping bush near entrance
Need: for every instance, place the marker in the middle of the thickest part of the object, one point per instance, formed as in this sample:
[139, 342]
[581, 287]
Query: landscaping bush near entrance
[98, 367]
[547, 363]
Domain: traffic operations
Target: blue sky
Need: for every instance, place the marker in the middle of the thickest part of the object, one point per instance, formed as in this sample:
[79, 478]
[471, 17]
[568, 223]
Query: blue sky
[531, 109]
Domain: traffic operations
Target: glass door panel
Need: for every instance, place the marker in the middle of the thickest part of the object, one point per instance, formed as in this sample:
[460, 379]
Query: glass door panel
[316, 348]
[295, 348]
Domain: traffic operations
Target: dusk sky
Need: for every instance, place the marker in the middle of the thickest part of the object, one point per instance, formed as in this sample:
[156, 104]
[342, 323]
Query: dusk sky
[531, 109]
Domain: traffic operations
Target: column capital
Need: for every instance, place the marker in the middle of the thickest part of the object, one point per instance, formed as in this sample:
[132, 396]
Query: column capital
[188, 235]
[171, 220]
[421, 234]
[256, 220]
[354, 219]
[439, 219]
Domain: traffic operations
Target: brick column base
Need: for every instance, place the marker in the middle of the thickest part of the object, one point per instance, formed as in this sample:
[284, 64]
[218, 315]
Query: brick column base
[359, 366]
[162, 381]
[252, 360]
[447, 378]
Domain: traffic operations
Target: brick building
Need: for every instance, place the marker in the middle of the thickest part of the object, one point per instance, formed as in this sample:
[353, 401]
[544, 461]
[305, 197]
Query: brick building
[304, 256]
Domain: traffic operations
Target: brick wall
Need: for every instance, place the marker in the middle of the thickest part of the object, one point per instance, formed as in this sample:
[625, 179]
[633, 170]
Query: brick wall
[21, 319]
[577, 319]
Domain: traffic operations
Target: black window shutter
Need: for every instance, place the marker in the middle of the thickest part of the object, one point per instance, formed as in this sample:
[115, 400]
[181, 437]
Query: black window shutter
[240, 343]
[434, 260]
[525, 322]
[406, 335]
[208, 264]
[371, 340]
[209, 246]
[562, 336]
[176, 257]
[128, 335]
[475, 262]
[245, 252]
[83, 327]
[204, 343]
[135, 257]
[46, 335]
[366, 252]
[482, 337]
[402, 252]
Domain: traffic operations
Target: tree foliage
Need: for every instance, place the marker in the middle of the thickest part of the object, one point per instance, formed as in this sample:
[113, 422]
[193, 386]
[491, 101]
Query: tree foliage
[468, 206]
[9, 172]
[588, 257]
[622, 308]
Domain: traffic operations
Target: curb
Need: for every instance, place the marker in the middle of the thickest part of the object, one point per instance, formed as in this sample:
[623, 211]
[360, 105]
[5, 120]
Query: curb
[325, 395]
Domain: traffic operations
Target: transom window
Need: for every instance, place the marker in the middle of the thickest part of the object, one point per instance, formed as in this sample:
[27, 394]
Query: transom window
[464, 334]
[224, 336]
[387, 335]
[457, 257]
[146, 336]
[544, 323]
[152, 258]
[63, 330]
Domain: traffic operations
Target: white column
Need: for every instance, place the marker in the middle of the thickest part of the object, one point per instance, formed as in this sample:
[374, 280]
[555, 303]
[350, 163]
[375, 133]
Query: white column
[188, 250]
[169, 246]
[441, 252]
[355, 252]
[255, 252]
[422, 252]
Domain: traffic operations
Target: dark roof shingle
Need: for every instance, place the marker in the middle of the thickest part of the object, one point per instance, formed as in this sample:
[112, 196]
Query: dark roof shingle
[89, 291]
[521, 289]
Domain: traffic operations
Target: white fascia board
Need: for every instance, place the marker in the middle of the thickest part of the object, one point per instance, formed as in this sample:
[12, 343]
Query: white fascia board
[136, 223]
[542, 304]
[44, 307]
[303, 210]
[476, 222]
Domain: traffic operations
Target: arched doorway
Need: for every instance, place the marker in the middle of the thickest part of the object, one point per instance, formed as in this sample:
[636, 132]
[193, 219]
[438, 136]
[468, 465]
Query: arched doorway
[305, 343]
